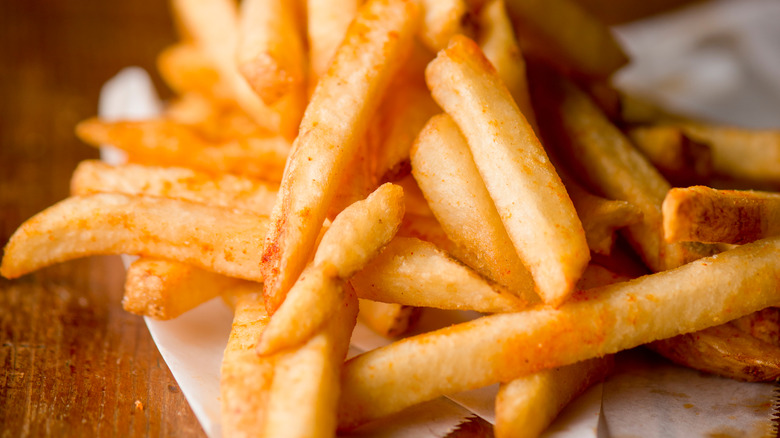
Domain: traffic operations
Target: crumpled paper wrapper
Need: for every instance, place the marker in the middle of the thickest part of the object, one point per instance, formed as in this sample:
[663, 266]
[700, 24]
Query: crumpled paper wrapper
[718, 61]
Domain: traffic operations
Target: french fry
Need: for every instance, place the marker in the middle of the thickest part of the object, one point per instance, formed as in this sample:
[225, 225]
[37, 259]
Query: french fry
[528, 194]
[185, 68]
[427, 228]
[682, 161]
[526, 406]
[356, 236]
[166, 143]
[724, 350]
[763, 325]
[743, 154]
[327, 24]
[446, 173]
[417, 273]
[245, 377]
[221, 240]
[388, 319]
[703, 214]
[498, 42]
[413, 197]
[566, 35]
[270, 50]
[213, 119]
[230, 191]
[334, 122]
[303, 396]
[161, 289]
[503, 347]
[443, 19]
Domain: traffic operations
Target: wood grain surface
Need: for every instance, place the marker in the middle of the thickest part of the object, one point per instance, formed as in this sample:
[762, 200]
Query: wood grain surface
[73, 362]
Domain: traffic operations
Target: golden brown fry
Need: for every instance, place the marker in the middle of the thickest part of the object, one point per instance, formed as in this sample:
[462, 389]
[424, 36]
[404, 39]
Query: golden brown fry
[526, 406]
[270, 50]
[185, 68]
[682, 161]
[388, 319]
[335, 120]
[724, 350]
[566, 35]
[500, 348]
[161, 289]
[445, 171]
[327, 23]
[417, 273]
[413, 197]
[703, 214]
[216, 239]
[744, 154]
[245, 376]
[355, 237]
[443, 19]
[534, 206]
[92, 176]
[601, 217]
[498, 42]
[303, 397]
[763, 325]
[166, 143]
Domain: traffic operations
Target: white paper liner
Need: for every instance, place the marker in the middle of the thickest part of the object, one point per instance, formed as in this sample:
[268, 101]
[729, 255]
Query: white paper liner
[644, 398]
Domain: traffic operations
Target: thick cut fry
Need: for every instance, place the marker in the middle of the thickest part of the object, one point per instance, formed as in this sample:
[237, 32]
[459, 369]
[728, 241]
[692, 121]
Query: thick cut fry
[417, 273]
[681, 160]
[245, 377]
[498, 42]
[529, 196]
[564, 34]
[601, 217]
[166, 143]
[185, 68]
[388, 319]
[92, 176]
[270, 50]
[221, 240]
[500, 348]
[334, 122]
[213, 24]
[427, 228]
[744, 154]
[703, 214]
[164, 290]
[303, 397]
[724, 350]
[617, 170]
[442, 20]
[327, 23]
[356, 236]
[445, 171]
[526, 406]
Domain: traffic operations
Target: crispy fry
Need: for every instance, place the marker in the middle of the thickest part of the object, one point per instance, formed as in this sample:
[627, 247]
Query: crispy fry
[724, 350]
[682, 161]
[333, 124]
[166, 143]
[355, 237]
[565, 34]
[221, 240]
[763, 325]
[526, 406]
[703, 214]
[751, 155]
[498, 42]
[229, 191]
[601, 217]
[442, 20]
[445, 171]
[601, 321]
[327, 23]
[164, 290]
[185, 68]
[528, 194]
[245, 376]
[417, 273]
[388, 319]
[270, 50]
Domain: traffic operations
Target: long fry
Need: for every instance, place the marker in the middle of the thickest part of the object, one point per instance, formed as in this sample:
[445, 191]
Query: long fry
[327, 23]
[334, 122]
[221, 240]
[528, 194]
[601, 321]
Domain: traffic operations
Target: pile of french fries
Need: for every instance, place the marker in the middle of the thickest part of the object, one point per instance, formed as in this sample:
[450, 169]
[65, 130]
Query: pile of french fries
[326, 160]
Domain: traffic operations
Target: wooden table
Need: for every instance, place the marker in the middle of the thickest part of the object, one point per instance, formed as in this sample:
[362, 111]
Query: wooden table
[73, 362]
